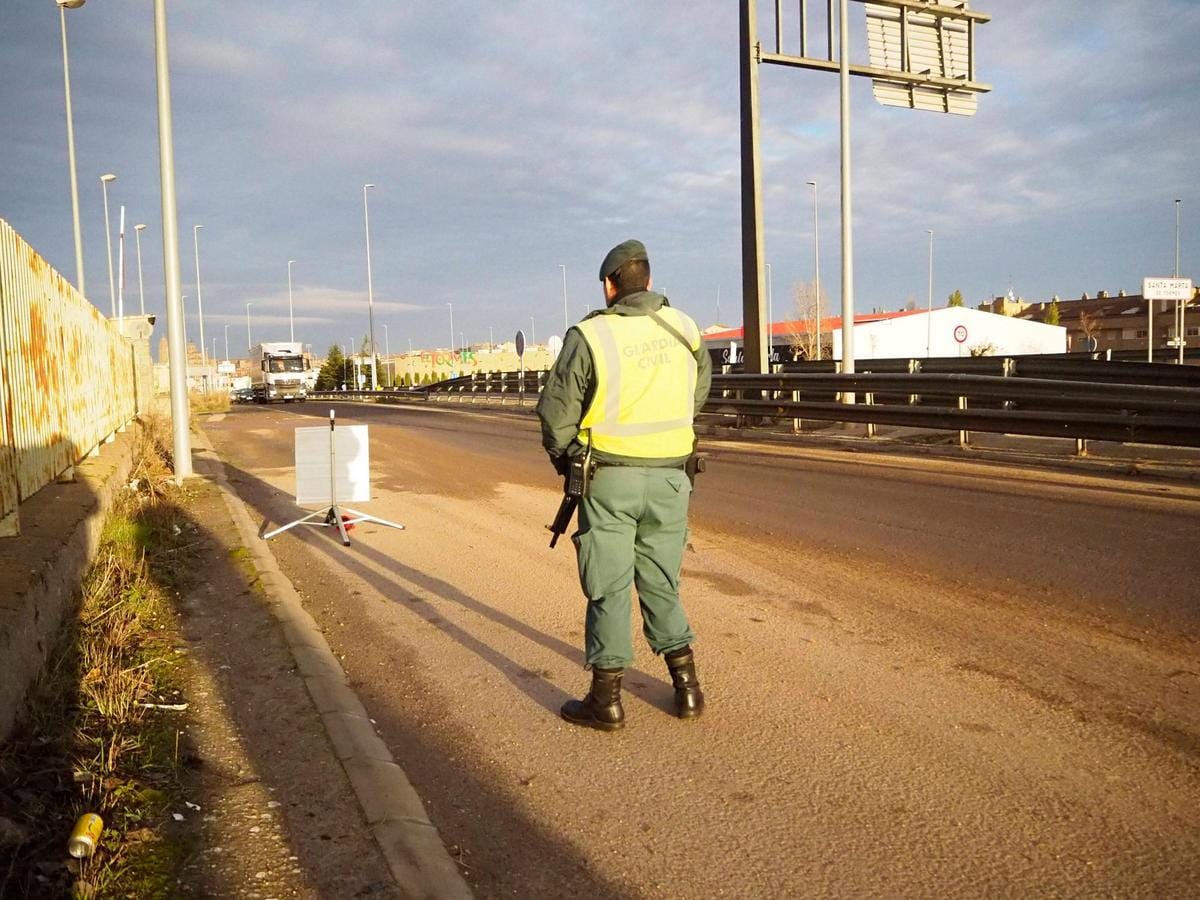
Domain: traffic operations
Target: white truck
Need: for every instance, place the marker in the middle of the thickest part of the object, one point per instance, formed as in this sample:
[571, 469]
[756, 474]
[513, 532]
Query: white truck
[282, 372]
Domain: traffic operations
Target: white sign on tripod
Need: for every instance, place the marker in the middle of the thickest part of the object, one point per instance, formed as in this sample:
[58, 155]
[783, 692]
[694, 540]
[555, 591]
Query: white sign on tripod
[333, 466]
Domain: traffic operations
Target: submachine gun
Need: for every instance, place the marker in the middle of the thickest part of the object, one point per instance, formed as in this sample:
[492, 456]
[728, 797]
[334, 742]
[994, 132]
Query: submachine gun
[575, 485]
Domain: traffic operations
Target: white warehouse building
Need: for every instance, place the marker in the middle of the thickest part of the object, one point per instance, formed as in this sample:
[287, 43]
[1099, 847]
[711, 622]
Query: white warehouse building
[911, 334]
[951, 331]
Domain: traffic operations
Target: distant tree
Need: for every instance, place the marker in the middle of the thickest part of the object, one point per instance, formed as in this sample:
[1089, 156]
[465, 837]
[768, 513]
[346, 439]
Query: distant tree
[982, 349]
[1051, 315]
[330, 375]
[911, 303]
[956, 299]
[802, 336]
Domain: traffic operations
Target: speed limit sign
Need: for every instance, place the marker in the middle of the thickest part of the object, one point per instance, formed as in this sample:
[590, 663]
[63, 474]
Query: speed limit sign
[960, 333]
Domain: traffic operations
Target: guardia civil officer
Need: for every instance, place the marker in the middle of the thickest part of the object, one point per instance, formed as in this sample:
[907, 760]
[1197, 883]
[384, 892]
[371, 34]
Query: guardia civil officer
[627, 384]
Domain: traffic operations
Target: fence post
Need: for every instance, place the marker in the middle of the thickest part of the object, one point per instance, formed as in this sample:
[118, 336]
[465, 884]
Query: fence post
[1080, 446]
[870, 401]
[962, 435]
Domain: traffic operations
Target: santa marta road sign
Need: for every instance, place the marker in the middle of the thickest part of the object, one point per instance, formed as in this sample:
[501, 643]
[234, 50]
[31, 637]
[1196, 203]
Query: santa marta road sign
[1167, 288]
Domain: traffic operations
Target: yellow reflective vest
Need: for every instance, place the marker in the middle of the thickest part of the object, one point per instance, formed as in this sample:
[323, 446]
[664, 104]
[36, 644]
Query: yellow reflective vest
[645, 390]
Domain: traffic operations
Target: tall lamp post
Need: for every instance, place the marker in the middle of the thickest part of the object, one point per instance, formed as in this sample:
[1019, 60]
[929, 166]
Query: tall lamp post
[770, 318]
[249, 345]
[450, 306]
[112, 288]
[387, 352]
[370, 292]
[63, 6]
[199, 301]
[1180, 305]
[566, 323]
[226, 342]
[929, 312]
[532, 332]
[816, 268]
[137, 233]
[291, 321]
[176, 337]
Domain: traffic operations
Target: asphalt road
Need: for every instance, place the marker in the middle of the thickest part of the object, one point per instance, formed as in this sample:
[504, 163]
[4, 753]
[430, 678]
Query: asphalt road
[925, 677]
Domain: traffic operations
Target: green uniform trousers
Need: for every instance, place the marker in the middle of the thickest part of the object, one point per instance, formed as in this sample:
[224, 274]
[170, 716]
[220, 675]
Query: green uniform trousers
[632, 531]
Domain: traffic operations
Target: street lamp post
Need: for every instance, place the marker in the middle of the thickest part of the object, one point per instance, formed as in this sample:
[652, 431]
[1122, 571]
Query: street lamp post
[199, 301]
[112, 288]
[137, 233]
[226, 342]
[387, 352]
[1180, 307]
[249, 345]
[532, 332]
[63, 6]
[770, 318]
[816, 268]
[176, 325]
[370, 292]
[450, 306]
[291, 321]
[929, 312]
[566, 323]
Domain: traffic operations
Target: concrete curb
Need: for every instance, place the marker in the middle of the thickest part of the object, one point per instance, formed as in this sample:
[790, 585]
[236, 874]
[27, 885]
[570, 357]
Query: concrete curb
[41, 570]
[395, 814]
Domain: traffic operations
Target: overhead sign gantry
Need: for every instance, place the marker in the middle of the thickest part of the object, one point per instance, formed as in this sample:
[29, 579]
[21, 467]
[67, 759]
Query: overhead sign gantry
[921, 56]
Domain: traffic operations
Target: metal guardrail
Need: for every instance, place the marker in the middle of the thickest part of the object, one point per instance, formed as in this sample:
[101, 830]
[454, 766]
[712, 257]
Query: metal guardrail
[68, 378]
[1066, 407]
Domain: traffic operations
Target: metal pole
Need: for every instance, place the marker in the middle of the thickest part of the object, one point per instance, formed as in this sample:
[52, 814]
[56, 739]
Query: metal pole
[291, 319]
[227, 342]
[929, 314]
[387, 351]
[847, 207]
[121, 268]
[62, 13]
[370, 293]
[181, 444]
[249, 345]
[752, 225]
[532, 332]
[137, 233]
[112, 289]
[770, 315]
[566, 323]
[1180, 309]
[199, 301]
[450, 306]
[817, 266]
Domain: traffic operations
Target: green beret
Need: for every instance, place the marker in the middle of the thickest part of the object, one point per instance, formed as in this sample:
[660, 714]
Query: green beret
[621, 254]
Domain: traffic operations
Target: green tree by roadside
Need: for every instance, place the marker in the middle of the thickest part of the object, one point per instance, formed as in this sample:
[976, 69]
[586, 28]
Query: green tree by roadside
[1051, 317]
[330, 376]
[956, 299]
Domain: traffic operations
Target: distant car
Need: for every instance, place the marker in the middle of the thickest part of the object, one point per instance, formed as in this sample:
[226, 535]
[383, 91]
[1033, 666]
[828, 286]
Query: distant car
[242, 395]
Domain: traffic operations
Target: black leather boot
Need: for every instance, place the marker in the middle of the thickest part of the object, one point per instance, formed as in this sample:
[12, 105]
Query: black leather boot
[601, 708]
[689, 699]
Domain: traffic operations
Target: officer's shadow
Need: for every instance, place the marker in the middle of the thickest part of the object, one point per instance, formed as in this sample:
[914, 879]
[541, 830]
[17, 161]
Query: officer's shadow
[400, 578]
[645, 687]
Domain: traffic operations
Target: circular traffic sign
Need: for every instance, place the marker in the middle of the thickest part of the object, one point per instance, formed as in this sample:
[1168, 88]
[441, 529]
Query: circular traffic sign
[960, 333]
[520, 342]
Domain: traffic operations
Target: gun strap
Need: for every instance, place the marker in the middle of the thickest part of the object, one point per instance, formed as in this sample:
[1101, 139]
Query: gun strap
[674, 332]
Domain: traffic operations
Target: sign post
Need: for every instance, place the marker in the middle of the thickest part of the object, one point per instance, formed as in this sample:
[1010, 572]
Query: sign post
[520, 342]
[1181, 291]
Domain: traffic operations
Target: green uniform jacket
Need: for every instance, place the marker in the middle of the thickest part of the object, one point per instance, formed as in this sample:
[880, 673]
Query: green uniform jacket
[570, 385]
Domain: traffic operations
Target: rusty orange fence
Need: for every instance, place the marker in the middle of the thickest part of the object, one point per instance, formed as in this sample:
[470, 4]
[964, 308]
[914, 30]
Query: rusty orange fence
[68, 377]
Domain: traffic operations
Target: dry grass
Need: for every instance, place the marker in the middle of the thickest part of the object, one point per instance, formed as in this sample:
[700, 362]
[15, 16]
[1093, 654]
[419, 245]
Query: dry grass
[91, 743]
[204, 404]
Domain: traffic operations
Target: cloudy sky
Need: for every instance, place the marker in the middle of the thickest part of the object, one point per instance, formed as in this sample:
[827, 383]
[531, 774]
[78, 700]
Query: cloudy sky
[508, 139]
